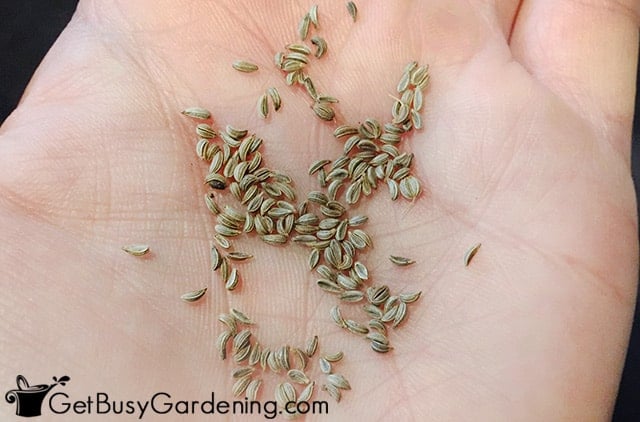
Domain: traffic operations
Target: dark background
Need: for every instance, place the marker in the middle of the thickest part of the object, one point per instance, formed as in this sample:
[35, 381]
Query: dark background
[29, 27]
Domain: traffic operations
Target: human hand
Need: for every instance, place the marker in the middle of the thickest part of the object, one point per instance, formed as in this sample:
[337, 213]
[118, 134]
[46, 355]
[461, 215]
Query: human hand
[525, 148]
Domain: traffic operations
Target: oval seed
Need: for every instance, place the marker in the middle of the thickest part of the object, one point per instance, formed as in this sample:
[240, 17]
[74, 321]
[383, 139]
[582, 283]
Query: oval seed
[193, 295]
[313, 15]
[334, 357]
[197, 113]
[306, 394]
[240, 316]
[253, 388]
[136, 249]
[323, 111]
[239, 256]
[321, 46]
[298, 376]
[339, 381]
[244, 66]
[325, 366]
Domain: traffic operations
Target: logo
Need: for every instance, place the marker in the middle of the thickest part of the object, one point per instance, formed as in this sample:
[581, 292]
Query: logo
[29, 398]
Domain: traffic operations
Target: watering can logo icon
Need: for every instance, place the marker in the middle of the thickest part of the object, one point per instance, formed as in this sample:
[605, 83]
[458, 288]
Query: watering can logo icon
[28, 398]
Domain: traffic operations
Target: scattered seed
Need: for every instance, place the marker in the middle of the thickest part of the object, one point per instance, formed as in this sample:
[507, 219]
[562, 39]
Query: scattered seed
[353, 10]
[244, 66]
[325, 366]
[409, 297]
[334, 357]
[197, 113]
[471, 253]
[232, 280]
[401, 261]
[253, 388]
[263, 106]
[241, 385]
[339, 381]
[193, 295]
[333, 391]
[321, 46]
[307, 392]
[136, 249]
[298, 376]
[311, 347]
[303, 27]
[323, 111]
[275, 98]
[221, 343]
[240, 316]
[239, 256]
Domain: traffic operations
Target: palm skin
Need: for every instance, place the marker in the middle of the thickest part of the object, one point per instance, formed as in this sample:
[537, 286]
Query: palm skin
[525, 148]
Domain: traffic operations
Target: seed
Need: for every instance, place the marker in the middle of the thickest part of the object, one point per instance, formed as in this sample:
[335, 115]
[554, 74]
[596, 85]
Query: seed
[197, 113]
[355, 327]
[244, 66]
[263, 106]
[401, 261]
[273, 362]
[401, 313]
[193, 295]
[303, 27]
[378, 338]
[299, 57]
[232, 280]
[136, 249]
[321, 46]
[377, 295]
[285, 393]
[409, 297]
[240, 316]
[416, 120]
[373, 311]
[417, 100]
[221, 343]
[241, 385]
[314, 258]
[216, 181]
[229, 321]
[274, 239]
[226, 230]
[323, 111]
[297, 376]
[275, 98]
[216, 258]
[307, 392]
[242, 371]
[337, 317]
[241, 340]
[222, 241]
[380, 348]
[333, 391]
[376, 324]
[224, 269]
[264, 356]
[471, 253]
[325, 366]
[352, 296]
[353, 10]
[239, 256]
[334, 357]
[205, 131]
[313, 15]
[254, 356]
[410, 187]
[353, 193]
[317, 165]
[312, 346]
[361, 270]
[393, 189]
[329, 286]
[310, 87]
[360, 239]
[403, 84]
[339, 381]
[253, 388]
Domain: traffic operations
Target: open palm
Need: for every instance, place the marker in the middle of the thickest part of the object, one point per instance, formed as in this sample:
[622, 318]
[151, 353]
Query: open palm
[525, 149]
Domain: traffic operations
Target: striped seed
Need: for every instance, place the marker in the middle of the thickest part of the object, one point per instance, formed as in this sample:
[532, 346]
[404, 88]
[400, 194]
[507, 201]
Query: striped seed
[222, 241]
[323, 111]
[317, 165]
[136, 249]
[303, 27]
[298, 376]
[216, 258]
[242, 371]
[253, 389]
[336, 316]
[239, 256]
[240, 316]
[409, 297]
[229, 321]
[221, 343]
[313, 15]
[361, 270]
[321, 46]
[311, 346]
[254, 356]
[333, 391]
[352, 296]
[307, 392]
[339, 381]
[197, 113]
[244, 66]
[263, 106]
[400, 315]
[193, 296]
[205, 131]
[325, 366]
[232, 280]
[410, 187]
[401, 261]
[372, 311]
[334, 357]
[241, 385]
[275, 98]
[355, 327]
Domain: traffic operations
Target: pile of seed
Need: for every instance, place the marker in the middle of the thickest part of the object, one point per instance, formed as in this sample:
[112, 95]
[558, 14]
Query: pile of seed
[254, 360]
[320, 222]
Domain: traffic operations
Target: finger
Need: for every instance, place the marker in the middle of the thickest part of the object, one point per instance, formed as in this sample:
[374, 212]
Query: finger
[586, 53]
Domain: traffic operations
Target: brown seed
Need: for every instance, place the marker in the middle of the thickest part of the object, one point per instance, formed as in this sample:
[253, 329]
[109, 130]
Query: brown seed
[353, 10]
[197, 113]
[401, 261]
[244, 66]
[323, 111]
